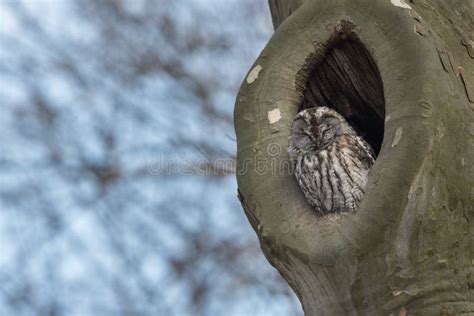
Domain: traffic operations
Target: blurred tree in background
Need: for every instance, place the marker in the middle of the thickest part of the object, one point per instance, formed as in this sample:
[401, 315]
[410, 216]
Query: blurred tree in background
[113, 116]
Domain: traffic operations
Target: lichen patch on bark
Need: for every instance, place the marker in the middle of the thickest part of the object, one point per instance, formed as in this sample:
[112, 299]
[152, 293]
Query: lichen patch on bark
[400, 3]
[274, 115]
[253, 74]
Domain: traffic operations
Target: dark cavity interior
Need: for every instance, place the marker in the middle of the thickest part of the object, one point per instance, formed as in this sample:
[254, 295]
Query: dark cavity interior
[347, 79]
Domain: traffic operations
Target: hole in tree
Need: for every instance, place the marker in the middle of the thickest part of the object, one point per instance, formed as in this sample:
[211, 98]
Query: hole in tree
[346, 78]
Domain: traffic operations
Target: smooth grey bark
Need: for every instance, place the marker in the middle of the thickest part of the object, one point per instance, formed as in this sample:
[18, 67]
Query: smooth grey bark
[409, 248]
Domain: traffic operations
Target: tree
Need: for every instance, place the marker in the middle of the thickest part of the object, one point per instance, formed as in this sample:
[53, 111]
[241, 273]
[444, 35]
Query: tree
[409, 247]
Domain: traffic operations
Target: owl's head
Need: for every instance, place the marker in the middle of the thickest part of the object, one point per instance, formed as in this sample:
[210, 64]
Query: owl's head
[315, 129]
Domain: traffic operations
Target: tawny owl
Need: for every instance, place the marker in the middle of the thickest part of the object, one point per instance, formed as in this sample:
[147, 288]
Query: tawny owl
[331, 161]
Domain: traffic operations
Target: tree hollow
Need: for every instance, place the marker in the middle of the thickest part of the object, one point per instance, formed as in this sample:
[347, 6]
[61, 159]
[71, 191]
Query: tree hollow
[346, 78]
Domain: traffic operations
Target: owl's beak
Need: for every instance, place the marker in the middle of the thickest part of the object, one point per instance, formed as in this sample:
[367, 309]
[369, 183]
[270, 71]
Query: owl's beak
[315, 132]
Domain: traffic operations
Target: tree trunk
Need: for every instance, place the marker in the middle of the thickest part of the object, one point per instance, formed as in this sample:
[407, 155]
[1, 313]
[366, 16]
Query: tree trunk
[407, 82]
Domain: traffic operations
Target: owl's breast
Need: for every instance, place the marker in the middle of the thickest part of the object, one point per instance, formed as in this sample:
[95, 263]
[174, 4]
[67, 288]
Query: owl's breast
[333, 179]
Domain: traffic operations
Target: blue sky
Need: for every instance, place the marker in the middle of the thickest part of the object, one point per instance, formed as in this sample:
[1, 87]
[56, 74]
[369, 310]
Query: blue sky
[91, 97]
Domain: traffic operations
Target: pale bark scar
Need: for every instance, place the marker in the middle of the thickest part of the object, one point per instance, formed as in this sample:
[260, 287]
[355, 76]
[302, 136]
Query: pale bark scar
[415, 15]
[274, 115]
[419, 29]
[468, 87]
[398, 136]
[253, 74]
[400, 3]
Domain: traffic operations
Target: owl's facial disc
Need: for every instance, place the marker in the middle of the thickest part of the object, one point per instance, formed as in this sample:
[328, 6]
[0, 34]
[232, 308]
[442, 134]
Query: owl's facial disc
[325, 132]
[312, 130]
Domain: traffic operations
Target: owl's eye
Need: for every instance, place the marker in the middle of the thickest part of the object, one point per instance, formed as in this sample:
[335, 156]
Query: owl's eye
[328, 133]
[324, 128]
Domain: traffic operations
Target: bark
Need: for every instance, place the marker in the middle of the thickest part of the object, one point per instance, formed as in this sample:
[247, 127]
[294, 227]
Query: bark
[409, 247]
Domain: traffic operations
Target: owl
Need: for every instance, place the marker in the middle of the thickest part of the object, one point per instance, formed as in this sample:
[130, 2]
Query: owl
[331, 161]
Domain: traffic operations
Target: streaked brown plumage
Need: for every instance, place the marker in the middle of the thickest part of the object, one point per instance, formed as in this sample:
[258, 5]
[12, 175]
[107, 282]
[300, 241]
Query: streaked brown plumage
[331, 161]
